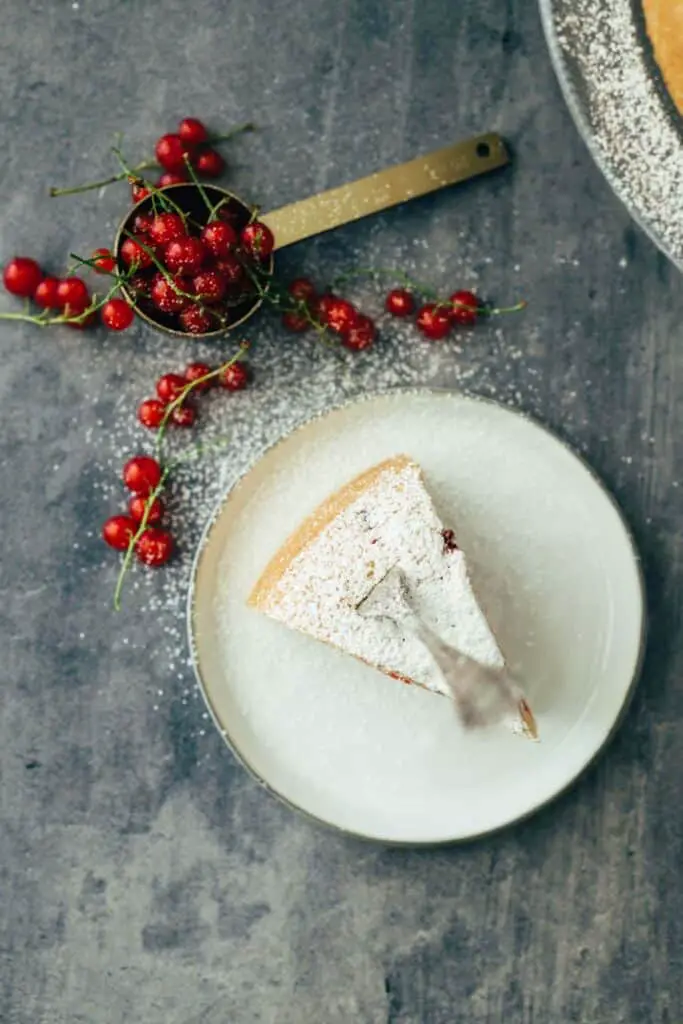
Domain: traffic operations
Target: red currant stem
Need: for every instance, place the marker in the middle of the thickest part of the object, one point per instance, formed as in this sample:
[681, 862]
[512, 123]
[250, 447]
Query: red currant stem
[92, 261]
[195, 181]
[154, 494]
[156, 194]
[144, 166]
[213, 214]
[240, 129]
[189, 387]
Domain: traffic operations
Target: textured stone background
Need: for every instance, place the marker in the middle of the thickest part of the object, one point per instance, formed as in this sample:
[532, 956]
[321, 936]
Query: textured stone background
[143, 876]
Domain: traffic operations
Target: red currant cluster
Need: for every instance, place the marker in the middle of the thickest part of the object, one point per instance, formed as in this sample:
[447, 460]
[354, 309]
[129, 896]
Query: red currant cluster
[171, 389]
[194, 276]
[325, 312]
[67, 299]
[144, 477]
[435, 320]
[138, 532]
[190, 143]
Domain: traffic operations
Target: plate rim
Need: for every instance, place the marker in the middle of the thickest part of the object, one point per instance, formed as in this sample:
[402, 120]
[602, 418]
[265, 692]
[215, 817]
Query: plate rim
[585, 130]
[202, 545]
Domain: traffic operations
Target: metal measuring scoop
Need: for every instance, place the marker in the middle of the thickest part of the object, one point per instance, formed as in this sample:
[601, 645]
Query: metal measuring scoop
[482, 695]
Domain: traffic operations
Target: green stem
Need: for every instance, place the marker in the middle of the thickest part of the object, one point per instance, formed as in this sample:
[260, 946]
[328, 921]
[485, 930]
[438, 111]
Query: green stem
[195, 181]
[144, 166]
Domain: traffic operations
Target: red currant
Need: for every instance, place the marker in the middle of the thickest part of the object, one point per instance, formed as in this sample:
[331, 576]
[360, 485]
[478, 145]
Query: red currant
[170, 152]
[231, 269]
[219, 238]
[184, 416]
[165, 297]
[139, 285]
[195, 371]
[257, 240]
[209, 163]
[295, 322]
[322, 307]
[464, 308]
[433, 321]
[74, 314]
[172, 178]
[117, 315]
[170, 386]
[360, 335]
[302, 289]
[143, 223]
[184, 255]
[341, 316]
[166, 227]
[154, 546]
[73, 292]
[118, 531]
[400, 302]
[133, 254]
[103, 261]
[151, 413]
[22, 276]
[138, 192]
[195, 320]
[192, 131]
[137, 506]
[141, 474]
[234, 377]
[209, 286]
[46, 295]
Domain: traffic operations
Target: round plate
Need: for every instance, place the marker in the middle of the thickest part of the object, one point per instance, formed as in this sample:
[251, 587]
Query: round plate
[556, 573]
[615, 92]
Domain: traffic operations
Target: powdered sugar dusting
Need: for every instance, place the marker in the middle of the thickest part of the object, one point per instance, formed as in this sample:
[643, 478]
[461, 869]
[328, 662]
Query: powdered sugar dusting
[392, 522]
[636, 137]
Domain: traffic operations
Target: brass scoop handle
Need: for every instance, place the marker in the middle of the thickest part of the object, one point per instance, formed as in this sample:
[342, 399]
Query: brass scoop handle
[379, 191]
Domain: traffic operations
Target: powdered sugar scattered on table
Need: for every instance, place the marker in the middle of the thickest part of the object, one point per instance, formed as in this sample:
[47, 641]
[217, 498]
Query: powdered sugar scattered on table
[636, 138]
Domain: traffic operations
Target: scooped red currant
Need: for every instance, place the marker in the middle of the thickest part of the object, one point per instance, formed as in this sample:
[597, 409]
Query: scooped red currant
[341, 316]
[234, 377]
[138, 505]
[139, 285]
[257, 240]
[209, 286]
[73, 292]
[295, 322]
[192, 131]
[400, 302]
[195, 372]
[302, 289]
[185, 255]
[166, 227]
[172, 178]
[433, 321]
[184, 416]
[103, 261]
[165, 297]
[170, 386]
[143, 222]
[133, 254]
[195, 320]
[154, 546]
[360, 335]
[465, 306]
[170, 152]
[22, 276]
[118, 531]
[231, 269]
[219, 238]
[117, 315]
[209, 163]
[46, 294]
[151, 413]
[141, 474]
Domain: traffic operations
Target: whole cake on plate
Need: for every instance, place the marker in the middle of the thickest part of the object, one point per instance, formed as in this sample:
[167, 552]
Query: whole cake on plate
[382, 519]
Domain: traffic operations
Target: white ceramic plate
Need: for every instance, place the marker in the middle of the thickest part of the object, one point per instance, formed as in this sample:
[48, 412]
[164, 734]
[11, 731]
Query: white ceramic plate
[555, 570]
[615, 92]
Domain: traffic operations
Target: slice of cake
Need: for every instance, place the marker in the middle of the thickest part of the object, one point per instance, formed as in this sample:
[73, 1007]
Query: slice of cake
[381, 519]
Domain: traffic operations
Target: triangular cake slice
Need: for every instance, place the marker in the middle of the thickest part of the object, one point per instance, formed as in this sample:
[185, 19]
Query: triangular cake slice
[381, 519]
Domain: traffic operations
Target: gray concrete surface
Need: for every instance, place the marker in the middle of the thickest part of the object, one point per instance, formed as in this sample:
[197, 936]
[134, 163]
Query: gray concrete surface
[143, 876]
